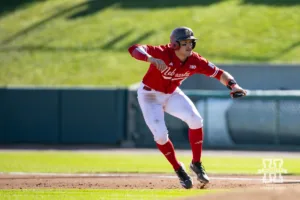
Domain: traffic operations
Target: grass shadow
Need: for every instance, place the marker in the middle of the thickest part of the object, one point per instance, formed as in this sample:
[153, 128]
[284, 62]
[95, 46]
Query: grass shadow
[7, 6]
[93, 6]
[255, 58]
[111, 45]
[272, 2]
[139, 39]
[39, 24]
[287, 49]
[113, 42]
[90, 7]
[108, 46]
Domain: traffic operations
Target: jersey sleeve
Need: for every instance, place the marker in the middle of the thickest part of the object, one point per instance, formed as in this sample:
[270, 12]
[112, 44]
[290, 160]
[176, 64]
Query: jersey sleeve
[142, 52]
[208, 68]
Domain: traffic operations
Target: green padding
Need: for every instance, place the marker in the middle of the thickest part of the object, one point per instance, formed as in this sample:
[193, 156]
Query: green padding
[92, 116]
[30, 115]
[289, 122]
[2, 114]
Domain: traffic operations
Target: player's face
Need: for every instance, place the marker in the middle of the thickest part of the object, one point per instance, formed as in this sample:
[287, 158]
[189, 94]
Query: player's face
[186, 47]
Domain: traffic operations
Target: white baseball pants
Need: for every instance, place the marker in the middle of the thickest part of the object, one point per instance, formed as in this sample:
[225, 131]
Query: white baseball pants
[153, 105]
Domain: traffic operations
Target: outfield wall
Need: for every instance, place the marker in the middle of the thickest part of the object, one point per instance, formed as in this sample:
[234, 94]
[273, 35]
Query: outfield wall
[62, 116]
[112, 116]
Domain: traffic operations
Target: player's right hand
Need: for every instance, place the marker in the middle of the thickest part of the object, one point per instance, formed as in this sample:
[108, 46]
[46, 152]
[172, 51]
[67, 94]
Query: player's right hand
[160, 64]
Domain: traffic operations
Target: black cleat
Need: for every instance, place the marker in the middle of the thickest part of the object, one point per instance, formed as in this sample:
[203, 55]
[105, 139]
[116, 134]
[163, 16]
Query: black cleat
[199, 170]
[184, 178]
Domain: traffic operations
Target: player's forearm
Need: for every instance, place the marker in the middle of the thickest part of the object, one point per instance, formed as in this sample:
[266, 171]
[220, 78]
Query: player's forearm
[228, 80]
[225, 77]
[139, 52]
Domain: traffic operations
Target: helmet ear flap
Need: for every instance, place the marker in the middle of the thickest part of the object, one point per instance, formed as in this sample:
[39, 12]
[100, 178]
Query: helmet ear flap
[193, 44]
[175, 45]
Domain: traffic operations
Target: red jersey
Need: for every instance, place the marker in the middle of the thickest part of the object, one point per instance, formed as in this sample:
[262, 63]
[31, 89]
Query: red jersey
[168, 80]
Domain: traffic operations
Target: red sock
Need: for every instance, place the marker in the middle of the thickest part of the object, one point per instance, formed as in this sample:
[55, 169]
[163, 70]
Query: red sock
[196, 140]
[169, 152]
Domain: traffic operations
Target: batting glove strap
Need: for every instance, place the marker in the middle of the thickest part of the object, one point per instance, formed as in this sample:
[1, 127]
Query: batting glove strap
[231, 83]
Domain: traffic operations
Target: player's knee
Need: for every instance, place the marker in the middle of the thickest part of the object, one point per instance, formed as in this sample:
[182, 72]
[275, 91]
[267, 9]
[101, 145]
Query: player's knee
[161, 139]
[195, 121]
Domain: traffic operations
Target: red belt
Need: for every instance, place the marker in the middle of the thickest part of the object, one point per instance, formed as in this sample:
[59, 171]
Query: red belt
[147, 88]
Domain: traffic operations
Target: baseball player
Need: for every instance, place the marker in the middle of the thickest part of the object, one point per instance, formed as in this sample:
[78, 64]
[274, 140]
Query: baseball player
[159, 92]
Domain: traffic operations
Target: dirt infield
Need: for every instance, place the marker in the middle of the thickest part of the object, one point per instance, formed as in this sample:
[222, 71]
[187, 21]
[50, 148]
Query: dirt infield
[241, 187]
[133, 181]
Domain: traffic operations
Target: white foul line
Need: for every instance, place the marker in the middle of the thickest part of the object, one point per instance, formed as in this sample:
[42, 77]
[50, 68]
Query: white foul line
[132, 175]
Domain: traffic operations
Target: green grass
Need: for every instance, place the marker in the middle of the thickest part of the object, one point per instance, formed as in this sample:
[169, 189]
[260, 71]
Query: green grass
[77, 42]
[99, 194]
[97, 162]
[78, 162]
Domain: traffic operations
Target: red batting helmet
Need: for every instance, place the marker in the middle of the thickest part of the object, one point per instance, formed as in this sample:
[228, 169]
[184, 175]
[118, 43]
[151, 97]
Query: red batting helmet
[181, 33]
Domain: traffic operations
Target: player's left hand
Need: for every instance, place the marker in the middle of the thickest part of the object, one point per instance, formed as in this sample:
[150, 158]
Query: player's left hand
[237, 92]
